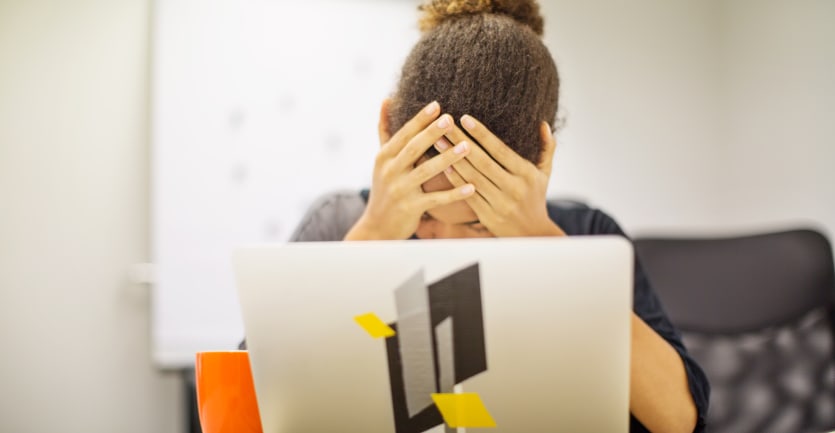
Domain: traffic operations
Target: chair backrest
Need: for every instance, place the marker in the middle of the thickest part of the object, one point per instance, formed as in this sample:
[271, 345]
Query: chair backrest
[758, 314]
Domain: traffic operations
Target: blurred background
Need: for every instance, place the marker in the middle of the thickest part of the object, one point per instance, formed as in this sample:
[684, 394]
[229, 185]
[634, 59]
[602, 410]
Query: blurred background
[167, 131]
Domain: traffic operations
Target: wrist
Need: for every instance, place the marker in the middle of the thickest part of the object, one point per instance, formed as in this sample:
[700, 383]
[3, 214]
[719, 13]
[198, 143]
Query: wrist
[365, 229]
[549, 228]
[361, 231]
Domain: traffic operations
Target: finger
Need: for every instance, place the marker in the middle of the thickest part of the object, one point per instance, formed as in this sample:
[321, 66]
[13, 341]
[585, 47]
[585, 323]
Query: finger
[422, 141]
[482, 161]
[456, 135]
[383, 124]
[416, 124]
[455, 179]
[431, 200]
[485, 187]
[477, 202]
[549, 146]
[495, 147]
[439, 163]
[443, 144]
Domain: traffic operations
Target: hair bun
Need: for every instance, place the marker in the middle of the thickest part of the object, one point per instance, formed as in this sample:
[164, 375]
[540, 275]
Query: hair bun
[525, 12]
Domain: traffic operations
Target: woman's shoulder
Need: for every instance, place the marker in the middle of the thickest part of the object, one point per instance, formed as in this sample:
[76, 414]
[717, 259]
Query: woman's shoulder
[578, 218]
[330, 216]
[344, 198]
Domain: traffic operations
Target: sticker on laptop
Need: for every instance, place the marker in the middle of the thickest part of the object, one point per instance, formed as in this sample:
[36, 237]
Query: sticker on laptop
[436, 343]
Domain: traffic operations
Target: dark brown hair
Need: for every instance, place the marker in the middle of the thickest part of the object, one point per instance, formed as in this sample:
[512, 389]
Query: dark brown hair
[484, 58]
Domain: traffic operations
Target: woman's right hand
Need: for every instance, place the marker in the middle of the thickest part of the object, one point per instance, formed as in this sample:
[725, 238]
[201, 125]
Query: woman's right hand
[397, 200]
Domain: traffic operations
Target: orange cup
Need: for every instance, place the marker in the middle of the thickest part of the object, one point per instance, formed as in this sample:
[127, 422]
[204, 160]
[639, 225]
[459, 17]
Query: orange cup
[225, 393]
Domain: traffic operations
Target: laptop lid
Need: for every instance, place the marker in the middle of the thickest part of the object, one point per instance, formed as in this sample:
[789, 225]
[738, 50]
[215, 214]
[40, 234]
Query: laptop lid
[521, 334]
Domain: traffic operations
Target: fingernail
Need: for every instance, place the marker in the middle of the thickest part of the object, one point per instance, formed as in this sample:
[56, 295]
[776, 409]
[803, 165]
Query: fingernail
[443, 122]
[467, 121]
[467, 189]
[442, 144]
[448, 170]
[431, 108]
[460, 148]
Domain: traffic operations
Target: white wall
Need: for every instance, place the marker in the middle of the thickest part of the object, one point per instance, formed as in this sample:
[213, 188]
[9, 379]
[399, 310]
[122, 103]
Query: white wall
[698, 116]
[639, 88]
[73, 216]
[778, 105]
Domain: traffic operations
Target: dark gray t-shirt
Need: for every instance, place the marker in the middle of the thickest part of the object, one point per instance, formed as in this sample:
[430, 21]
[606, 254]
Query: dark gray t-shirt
[330, 218]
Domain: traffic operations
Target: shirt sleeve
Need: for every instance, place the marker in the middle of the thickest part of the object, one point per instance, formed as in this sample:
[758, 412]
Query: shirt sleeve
[330, 217]
[648, 307]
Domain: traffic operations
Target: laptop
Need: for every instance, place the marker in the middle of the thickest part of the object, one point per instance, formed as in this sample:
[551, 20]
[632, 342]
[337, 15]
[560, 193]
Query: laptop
[510, 335]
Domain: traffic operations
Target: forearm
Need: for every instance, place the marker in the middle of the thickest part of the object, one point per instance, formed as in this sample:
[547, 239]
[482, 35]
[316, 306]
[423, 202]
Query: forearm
[659, 393]
[360, 232]
[552, 229]
[364, 230]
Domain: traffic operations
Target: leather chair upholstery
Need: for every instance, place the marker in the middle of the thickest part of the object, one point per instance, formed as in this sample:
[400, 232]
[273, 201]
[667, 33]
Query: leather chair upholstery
[758, 314]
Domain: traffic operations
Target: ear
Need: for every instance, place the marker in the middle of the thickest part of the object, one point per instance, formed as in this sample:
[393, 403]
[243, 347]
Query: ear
[383, 125]
[549, 145]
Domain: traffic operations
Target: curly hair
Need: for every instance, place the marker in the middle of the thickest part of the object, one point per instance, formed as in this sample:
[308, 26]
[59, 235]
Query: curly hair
[484, 58]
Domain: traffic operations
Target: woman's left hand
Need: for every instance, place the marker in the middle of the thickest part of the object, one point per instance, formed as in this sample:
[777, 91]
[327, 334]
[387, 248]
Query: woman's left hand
[510, 197]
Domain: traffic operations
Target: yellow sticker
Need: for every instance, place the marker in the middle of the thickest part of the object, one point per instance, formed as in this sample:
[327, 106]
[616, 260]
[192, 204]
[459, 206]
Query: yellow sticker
[463, 410]
[375, 327]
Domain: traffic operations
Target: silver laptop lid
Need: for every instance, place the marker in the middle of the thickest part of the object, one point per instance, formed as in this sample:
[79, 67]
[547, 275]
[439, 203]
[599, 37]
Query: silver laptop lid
[414, 336]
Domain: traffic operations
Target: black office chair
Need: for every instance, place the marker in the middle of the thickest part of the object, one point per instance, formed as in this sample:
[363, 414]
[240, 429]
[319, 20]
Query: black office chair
[758, 314]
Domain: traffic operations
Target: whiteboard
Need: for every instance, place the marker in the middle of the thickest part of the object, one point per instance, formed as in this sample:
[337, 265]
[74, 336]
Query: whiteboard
[258, 108]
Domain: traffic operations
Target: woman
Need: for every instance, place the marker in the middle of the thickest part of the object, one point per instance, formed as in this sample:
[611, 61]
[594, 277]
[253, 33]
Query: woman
[482, 63]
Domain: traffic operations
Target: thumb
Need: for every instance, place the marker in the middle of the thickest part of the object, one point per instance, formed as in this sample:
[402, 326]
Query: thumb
[383, 125]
